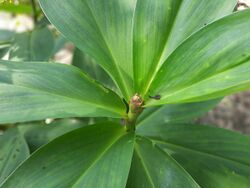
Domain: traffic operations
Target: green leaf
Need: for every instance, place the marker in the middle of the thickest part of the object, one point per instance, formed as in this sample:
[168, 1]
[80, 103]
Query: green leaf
[4, 49]
[116, 33]
[93, 156]
[214, 157]
[38, 134]
[13, 151]
[209, 64]
[6, 36]
[37, 45]
[89, 66]
[105, 37]
[154, 168]
[174, 113]
[59, 44]
[160, 26]
[35, 91]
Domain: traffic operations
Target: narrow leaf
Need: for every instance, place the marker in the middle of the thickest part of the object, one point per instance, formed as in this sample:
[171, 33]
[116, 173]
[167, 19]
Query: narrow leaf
[35, 91]
[102, 29]
[209, 64]
[154, 168]
[174, 113]
[214, 157]
[160, 26]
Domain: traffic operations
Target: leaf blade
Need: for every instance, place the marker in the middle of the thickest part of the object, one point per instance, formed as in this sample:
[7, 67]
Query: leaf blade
[13, 151]
[210, 60]
[154, 168]
[34, 91]
[215, 158]
[93, 155]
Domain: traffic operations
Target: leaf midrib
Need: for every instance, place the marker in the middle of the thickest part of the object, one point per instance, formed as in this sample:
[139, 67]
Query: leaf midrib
[63, 96]
[111, 54]
[98, 158]
[199, 151]
[144, 166]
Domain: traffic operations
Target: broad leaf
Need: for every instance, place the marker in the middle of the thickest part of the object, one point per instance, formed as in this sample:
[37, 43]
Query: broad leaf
[102, 29]
[209, 64]
[154, 168]
[214, 157]
[174, 113]
[87, 64]
[13, 151]
[37, 45]
[35, 91]
[38, 134]
[93, 156]
[160, 26]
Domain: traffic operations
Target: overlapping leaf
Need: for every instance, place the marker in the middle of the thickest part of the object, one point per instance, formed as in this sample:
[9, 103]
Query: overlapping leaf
[214, 157]
[93, 156]
[35, 91]
[131, 38]
[174, 113]
[13, 151]
[37, 45]
[211, 63]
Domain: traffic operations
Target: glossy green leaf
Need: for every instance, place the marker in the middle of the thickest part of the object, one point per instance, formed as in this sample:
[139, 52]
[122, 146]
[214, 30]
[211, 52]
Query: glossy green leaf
[120, 40]
[37, 45]
[214, 157]
[174, 113]
[93, 156]
[209, 64]
[35, 91]
[38, 134]
[154, 168]
[102, 29]
[160, 26]
[13, 151]
[88, 65]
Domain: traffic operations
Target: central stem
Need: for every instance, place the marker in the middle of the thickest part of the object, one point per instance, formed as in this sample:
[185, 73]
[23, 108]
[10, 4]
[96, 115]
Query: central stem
[135, 109]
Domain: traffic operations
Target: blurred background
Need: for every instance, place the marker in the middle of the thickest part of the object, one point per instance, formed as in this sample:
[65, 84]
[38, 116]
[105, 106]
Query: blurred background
[16, 16]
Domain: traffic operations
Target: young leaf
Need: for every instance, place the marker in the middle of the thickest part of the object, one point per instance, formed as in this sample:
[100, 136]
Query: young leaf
[106, 37]
[13, 151]
[154, 168]
[160, 26]
[32, 46]
[174, 113]
[93, 156]
[209, 64]
[35, 91]
[214, 157]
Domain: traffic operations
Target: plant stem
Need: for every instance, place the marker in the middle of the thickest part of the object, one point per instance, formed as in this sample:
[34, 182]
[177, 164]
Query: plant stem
[33, 5]
[135, 109]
